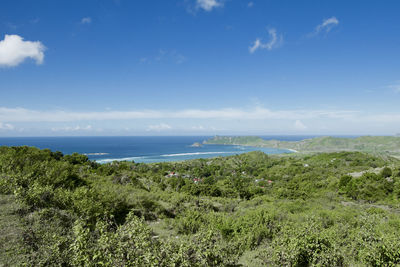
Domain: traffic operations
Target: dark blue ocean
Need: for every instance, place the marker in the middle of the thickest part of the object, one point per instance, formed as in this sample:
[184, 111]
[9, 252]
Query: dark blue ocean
[140, 148]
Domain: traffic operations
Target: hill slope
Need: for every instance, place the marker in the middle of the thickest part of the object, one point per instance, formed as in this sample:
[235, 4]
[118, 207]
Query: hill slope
[251, 209]
[379, 144]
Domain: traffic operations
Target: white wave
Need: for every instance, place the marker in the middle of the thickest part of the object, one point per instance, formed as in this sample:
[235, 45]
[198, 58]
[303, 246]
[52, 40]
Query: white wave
[195, 153]
[117, 159]
[96, 154]
[166, 155]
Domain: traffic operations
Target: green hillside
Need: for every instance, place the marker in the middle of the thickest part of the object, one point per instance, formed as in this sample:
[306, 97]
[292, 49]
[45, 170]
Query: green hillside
[236, 140]
[378, 144]
[325, 209]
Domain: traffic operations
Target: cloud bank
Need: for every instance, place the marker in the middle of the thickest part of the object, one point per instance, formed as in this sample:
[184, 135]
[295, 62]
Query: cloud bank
[299, 125]
[229, 120]
[6, 126]
[159, 127]
[258, 113]
[72, 129]
[14, 50]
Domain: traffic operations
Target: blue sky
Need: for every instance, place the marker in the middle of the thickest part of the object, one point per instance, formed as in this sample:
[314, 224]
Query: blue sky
[199, 67]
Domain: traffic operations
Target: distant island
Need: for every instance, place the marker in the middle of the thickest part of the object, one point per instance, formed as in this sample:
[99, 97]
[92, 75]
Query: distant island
[374, 144]
[196, 144]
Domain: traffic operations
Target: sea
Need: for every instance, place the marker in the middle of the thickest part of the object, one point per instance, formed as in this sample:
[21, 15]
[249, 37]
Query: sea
[145, 149]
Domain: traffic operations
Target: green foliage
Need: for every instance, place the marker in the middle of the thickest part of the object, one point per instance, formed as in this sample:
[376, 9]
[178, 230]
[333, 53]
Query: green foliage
[133, 244]
[386, 172]
[305, 245]
[369, 186]
[344, 180]
[76, 158]
[285, 210]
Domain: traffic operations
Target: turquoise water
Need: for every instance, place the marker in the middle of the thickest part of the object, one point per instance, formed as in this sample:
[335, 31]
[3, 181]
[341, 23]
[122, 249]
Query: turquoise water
[137, 148]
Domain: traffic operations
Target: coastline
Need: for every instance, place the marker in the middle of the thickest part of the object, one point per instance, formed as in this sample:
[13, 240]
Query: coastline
[177, 157]
[389, 145]
[141, 149]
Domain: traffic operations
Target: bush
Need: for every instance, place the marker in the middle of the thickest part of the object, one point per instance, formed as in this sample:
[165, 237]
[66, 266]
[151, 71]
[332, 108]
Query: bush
[306, 245]
[386, 172]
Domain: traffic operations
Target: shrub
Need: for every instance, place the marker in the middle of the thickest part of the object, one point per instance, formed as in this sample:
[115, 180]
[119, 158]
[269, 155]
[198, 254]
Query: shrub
[386, 172]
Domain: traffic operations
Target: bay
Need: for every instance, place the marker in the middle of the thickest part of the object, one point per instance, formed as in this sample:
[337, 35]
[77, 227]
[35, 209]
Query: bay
[144, 149]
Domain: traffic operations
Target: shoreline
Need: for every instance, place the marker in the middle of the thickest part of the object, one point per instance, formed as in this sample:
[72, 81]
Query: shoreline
[256, 146]
[176, 157]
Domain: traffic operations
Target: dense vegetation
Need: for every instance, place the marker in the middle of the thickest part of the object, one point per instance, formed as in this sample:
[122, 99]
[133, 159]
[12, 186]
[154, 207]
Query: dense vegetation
[374, 144]
[328, 209]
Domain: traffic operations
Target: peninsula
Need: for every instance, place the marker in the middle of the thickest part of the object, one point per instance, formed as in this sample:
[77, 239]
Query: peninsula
[372, 144]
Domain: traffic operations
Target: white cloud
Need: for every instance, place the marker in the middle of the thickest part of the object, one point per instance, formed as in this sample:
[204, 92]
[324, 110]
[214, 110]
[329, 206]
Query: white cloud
[159, 127]
[395, 87]
[201, 128]
[326, 25]
[298, 125]
[86, 20]
[258, 113]
[179, 59]
[208, 5]
[255, 46]
[6, 126]
[250, 4]
[274, 42]
[198, 128]
[202, 120]
[14, 50]
[72, 129]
